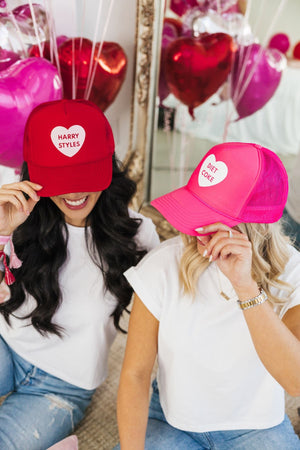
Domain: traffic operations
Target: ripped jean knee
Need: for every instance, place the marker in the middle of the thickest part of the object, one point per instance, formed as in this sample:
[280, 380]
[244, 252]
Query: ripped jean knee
[41, 410]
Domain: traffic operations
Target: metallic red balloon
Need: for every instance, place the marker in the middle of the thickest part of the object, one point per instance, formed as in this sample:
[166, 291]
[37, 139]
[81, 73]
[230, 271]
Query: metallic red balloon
[171, 31]
[296, 51]
[195, 68]
[110, 72]
[46, 48]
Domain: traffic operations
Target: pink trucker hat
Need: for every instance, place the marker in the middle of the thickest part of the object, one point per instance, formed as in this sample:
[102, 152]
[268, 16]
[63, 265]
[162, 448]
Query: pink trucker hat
[68, 147]
[234, 183]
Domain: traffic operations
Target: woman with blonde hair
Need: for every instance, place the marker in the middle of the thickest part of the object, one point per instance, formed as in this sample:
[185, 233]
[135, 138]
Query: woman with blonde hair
[220, 308]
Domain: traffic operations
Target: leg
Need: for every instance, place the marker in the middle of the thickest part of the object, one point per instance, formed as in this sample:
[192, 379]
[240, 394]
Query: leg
[279, 437]
[162, 436]
[6, 369]
[35, 422]
[41, 411]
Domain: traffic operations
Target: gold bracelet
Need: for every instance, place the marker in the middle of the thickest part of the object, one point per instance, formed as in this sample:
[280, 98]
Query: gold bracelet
[258, 300]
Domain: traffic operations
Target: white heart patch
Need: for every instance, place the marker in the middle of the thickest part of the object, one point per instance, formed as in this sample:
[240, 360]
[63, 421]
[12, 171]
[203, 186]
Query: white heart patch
[68, 141]
[212, 172]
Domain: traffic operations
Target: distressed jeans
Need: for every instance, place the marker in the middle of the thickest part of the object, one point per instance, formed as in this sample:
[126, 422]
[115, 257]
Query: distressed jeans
[40, 409]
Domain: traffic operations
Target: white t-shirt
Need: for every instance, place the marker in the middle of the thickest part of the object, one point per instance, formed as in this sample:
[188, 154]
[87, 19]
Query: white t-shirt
[210, 376]
[293, 201]
[80, 357]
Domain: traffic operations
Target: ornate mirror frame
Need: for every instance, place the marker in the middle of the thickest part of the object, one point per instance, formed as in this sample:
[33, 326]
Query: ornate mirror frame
[148, 39]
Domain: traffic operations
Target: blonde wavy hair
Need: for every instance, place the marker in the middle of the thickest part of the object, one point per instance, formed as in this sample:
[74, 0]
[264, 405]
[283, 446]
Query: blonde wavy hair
[270, 254]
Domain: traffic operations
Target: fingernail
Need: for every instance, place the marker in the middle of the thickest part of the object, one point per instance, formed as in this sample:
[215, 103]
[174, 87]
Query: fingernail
[210, 258]
[199, 229]
[204, 253]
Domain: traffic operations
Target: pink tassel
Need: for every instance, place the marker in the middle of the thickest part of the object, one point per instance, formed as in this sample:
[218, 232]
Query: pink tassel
[9, 278]
[15, 262]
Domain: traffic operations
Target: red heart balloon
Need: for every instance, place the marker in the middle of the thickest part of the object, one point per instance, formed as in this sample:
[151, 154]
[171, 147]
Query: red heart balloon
[196, 67]
[46, 48]
[110, 71]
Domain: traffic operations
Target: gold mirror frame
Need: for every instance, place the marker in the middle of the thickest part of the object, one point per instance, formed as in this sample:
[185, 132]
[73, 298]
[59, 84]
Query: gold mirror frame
[148, 39]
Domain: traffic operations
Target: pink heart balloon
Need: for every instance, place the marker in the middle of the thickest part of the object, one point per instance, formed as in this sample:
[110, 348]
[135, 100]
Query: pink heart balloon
[7, 58]
[255, 77]
[23, 86]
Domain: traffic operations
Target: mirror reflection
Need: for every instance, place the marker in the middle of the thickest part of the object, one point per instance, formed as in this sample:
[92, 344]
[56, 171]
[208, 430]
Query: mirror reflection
[229, 71]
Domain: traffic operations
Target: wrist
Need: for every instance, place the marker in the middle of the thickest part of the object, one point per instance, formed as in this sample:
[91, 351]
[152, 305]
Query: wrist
[7, 233]
[248, 291]
[254, 301]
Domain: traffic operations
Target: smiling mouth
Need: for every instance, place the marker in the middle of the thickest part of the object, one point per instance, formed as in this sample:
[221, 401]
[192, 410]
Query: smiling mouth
[74, 204]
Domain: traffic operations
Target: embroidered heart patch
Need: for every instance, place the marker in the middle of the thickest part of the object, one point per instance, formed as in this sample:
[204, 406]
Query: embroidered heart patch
[68, 141]
[212, 172]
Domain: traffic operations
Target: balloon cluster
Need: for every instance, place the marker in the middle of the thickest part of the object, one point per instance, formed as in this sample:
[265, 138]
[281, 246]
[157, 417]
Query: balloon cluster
[36, 66]
[210, 44]
[24, 82]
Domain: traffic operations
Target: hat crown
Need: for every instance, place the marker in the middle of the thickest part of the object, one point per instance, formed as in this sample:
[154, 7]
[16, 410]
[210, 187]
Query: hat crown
[68, 135]
[226, 176]
[234, 182]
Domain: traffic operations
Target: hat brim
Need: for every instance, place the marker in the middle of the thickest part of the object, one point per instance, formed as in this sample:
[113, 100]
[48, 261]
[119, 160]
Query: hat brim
[185, 212]
[94, 176]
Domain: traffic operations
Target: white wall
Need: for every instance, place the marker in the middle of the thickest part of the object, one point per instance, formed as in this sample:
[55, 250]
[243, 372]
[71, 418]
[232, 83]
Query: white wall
[263, 12]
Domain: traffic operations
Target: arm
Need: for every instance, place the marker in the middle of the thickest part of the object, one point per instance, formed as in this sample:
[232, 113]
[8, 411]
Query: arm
[133, 393]
[14, 208]
[277, 342]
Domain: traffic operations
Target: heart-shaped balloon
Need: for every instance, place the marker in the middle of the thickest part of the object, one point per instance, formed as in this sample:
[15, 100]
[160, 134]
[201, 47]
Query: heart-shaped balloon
[17, 32]
[23, 86]
[171, 31]
[110, 70]
[180, 7]
[255, 77]
[296, 51]
[46, 48]
[7, 58]
[195, 68]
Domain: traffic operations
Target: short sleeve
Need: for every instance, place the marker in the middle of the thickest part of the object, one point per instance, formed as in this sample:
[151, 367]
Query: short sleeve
[292, 277]
[155, 274]
[147, 236]
[142, 289]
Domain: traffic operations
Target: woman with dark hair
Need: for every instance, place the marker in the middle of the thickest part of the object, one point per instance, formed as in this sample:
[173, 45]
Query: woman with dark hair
[75, 236]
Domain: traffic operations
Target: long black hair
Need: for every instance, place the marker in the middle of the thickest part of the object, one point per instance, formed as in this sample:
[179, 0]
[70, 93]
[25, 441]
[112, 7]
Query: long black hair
[41, 243]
